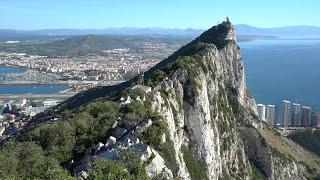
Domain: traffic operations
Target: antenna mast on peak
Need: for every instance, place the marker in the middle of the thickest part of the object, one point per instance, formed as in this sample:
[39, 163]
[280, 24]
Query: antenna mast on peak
[228, 19]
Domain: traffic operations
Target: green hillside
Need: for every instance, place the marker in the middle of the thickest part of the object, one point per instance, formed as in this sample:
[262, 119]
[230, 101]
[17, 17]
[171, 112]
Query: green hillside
[307, 138]
[83, 45]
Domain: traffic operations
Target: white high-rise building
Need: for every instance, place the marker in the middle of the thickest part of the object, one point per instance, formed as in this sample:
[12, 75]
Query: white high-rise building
[271, 114]
[286, 113]
[296, 115]
[262, 112]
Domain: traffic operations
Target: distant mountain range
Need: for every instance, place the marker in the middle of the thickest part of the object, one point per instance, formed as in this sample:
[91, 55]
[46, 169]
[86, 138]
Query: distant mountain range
[241, 29]
[8, 34]
[87, 44]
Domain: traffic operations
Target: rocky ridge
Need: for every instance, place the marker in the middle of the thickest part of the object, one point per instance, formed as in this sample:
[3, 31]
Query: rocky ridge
[210, 116]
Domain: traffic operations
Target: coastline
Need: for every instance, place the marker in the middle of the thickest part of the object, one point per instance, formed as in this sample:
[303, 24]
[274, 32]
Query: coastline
[30, 96]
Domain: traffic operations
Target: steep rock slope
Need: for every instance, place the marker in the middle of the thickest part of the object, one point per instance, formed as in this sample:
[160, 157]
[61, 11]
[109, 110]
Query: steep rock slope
[307, 138]
[189, 117]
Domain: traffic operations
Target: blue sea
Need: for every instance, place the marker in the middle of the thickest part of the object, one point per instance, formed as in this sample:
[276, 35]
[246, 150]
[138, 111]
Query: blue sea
[31, 88]
[283, 69]
[27, 88]
[11, 69]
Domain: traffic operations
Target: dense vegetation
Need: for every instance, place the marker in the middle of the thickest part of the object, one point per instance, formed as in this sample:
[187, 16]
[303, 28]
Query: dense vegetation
[127, 167]
[69, 138]
[195, 167]
[216, 35]
[55, 144]
[308, 138]
[26, 160]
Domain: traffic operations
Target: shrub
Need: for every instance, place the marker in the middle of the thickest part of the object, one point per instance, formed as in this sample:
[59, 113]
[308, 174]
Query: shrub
[107, 169]
[154, 133]
[134, 112]
[67, 139]
[57, 139]
[195, 167]
[26, 160]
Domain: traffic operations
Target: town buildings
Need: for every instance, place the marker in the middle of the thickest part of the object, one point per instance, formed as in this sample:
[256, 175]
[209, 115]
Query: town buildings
[17, 113]
[110, 66]
[301, 116]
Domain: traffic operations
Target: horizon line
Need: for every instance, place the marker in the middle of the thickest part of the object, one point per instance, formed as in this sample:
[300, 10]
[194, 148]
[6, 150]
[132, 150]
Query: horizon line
[163, 28]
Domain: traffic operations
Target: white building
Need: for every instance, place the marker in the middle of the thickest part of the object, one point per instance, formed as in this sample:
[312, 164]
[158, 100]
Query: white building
[286, 113]
[50, 102]
[271, 114]
[262, 112]
[296, 115]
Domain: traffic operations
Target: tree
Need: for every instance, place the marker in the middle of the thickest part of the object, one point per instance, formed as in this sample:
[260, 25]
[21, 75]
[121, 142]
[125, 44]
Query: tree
[26, 160]
[107, 169]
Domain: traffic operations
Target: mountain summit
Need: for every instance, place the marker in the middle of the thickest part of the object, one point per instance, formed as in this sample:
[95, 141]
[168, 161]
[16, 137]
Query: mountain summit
[189, 117]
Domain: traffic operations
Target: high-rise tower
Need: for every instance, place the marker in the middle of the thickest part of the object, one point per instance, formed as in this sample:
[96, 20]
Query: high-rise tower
[271, 114]
[262, 112]
[286, 113]
[295, 115]
[315, 118]
[305, 116]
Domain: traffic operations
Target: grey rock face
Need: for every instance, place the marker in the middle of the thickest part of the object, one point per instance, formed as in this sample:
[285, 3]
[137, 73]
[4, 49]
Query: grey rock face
[119, 132]
[111, 141]
[212, 123]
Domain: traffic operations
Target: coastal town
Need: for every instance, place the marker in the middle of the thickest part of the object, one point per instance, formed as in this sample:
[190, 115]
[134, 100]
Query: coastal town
[16, 113]
[78, 73]
[111, 66]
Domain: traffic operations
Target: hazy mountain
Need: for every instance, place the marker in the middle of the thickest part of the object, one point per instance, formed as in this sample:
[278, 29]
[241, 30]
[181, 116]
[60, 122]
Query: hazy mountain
[122, 31]
[8, 34]
[241, 29]
[86, 44]
[297, 31]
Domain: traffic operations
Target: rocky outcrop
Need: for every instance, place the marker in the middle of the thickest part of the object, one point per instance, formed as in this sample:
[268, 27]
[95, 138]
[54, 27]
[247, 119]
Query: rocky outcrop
[202, 125]
[210, 117]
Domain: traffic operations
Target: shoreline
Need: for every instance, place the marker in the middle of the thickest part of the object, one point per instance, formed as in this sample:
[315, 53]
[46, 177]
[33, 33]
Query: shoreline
[45, 95]
[33, 83]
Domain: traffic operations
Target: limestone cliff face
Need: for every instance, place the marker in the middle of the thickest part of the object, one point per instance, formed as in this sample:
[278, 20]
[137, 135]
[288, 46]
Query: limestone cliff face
[213, 129]
[211, 118]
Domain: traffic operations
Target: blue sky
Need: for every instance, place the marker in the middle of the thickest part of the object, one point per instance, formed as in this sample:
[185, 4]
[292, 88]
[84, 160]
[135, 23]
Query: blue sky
[51, 14]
